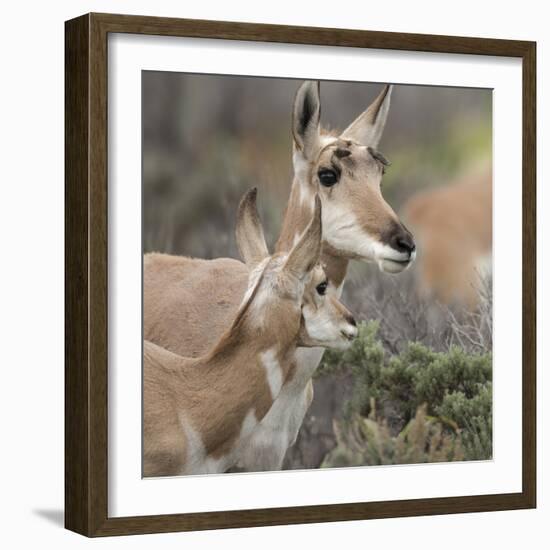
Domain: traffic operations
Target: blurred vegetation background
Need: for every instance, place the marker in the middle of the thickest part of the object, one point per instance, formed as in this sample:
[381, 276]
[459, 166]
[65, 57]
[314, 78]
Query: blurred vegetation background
[416, 386]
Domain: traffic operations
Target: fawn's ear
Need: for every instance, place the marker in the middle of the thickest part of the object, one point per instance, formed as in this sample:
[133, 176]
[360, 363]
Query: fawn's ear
[305, 254]
[306, 116]
[249, 231]
[367, 128]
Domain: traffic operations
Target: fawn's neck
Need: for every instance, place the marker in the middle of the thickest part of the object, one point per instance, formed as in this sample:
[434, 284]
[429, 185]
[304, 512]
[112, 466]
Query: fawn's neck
[248, 372]
[239, 385]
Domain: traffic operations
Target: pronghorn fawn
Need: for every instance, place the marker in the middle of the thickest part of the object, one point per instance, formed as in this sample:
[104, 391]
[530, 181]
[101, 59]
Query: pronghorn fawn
[189, 302]
[454, 226]
[199, 413]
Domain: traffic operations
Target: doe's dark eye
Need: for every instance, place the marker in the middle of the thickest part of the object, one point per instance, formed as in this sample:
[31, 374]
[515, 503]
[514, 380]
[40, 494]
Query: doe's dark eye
[322, 288]
[327, 177]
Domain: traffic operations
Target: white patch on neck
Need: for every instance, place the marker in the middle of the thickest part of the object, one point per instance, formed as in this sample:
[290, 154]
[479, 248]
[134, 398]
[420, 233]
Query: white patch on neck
[249, 424]
[273, 371]
[266, 449]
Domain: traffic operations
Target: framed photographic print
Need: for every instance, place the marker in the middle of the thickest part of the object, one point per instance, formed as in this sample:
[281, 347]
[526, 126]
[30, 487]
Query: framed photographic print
[300, 275]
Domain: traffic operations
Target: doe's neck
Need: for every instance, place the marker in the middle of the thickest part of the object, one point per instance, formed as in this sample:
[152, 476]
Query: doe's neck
[297, 216]
[298, 212]
[335, 265]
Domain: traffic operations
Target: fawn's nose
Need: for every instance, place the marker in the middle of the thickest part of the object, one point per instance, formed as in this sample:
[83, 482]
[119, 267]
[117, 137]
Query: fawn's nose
[350, 330]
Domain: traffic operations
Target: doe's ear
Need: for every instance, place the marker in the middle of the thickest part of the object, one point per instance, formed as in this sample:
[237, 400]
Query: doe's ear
[249, 232]
[368, 127]
[305, 254]
[306, 116]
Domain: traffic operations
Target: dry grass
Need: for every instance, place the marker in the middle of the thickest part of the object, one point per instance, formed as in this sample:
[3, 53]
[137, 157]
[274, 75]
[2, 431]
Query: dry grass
[368, 441]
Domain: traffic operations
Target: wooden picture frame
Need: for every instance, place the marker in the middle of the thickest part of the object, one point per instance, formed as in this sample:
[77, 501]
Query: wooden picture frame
[86, 278]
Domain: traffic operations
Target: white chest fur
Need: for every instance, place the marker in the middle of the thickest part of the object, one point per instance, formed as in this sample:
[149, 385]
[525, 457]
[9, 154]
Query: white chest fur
[266, 448]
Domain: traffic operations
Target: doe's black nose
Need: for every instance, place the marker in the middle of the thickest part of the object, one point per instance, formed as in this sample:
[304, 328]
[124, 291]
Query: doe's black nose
[403, 241]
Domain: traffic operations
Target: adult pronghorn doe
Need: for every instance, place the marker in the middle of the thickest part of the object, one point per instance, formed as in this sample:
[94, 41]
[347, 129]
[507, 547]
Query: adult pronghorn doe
[199, 413]
[188, 302]
[454, 226]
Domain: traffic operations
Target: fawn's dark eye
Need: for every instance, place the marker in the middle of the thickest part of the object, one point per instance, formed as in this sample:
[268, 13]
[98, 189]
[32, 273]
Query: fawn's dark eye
[327, 177]
[322, 288]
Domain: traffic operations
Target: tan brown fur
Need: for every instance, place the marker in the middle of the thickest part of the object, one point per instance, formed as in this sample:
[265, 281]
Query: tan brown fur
[175, 291]
[359, 187]
[200, 388]
[186, 309]
[197, 411]
[295, 218]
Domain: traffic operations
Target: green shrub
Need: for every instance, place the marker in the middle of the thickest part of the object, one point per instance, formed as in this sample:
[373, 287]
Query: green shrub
[474, 415]
[416, 406]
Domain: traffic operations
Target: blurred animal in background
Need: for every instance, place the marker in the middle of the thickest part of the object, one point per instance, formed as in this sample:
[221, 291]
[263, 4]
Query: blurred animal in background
[189, 302]
[199, 413]
[453, 225]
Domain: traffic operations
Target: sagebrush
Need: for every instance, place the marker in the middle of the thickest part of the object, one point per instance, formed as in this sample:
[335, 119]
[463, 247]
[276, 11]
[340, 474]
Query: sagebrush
[419, 405]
